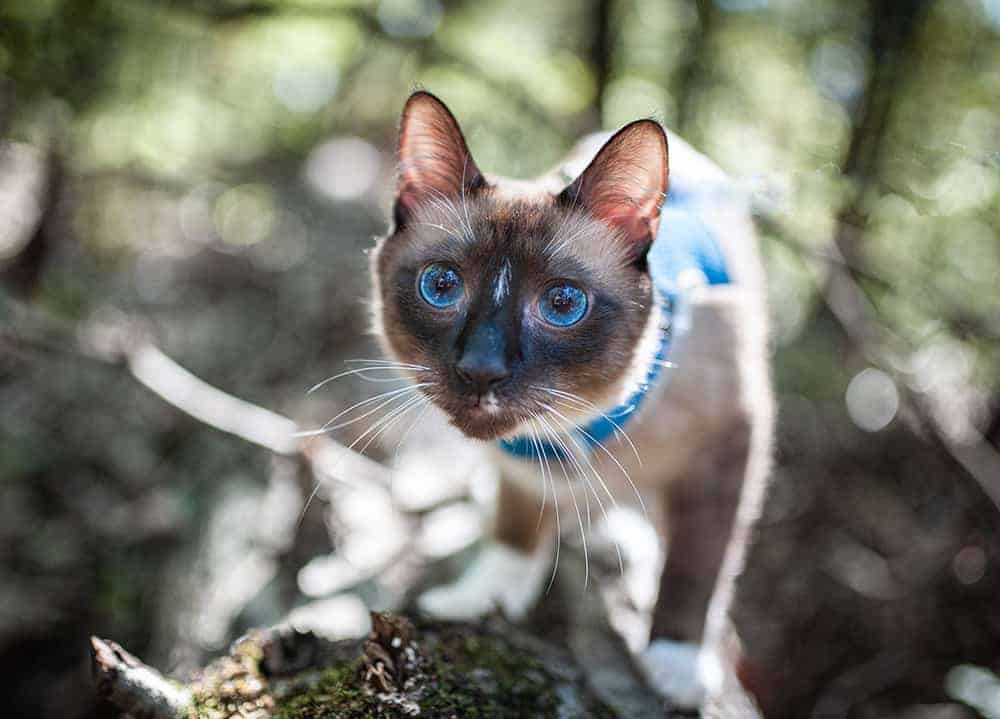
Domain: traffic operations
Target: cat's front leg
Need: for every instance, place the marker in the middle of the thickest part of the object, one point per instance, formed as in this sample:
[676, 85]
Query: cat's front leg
[726, 411]
[513, 567]
[700, 508]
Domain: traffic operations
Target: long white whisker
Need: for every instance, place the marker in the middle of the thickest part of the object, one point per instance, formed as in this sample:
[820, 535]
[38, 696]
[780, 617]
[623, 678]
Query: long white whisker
[443, 202]
[387, 417]
[583, 534]
[579, 469]
[424, 406]
[305, 507]
[393, 416]
[568, 433]
[388, 397]
[619, 430]
[390, 363]
[590, 405]
[413, 424]
[545, 494]
[361, 371]
[614, 459]
[555, 502]
[596, 474]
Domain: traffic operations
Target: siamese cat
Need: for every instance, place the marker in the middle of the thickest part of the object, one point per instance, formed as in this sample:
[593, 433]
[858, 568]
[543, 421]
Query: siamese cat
[603, 329]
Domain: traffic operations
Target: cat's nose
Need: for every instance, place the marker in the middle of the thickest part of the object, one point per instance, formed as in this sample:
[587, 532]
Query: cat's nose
[482, 373]
[483, 363]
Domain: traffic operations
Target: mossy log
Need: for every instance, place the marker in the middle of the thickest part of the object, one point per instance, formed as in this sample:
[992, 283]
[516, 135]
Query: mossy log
[428, 669]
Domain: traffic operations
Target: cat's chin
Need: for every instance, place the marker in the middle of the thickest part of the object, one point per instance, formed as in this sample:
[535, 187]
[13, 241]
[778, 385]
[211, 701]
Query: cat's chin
[483, 425]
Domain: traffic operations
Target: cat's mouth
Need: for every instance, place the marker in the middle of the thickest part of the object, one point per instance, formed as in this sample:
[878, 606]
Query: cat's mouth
[483, 417]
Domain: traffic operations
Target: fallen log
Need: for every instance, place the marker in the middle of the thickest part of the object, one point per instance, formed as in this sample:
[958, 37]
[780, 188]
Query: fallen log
[429, 669]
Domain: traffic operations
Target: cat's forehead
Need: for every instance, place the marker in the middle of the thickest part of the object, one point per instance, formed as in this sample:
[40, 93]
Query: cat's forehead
[540, 189]
[531, 229]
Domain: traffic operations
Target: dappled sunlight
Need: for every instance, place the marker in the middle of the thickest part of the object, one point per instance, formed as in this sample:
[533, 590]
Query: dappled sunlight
[189, 192]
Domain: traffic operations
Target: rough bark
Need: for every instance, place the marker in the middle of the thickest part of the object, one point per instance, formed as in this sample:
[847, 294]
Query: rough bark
[134, 687]
[428, 669]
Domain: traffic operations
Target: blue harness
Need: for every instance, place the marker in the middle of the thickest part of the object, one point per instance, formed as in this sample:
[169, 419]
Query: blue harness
[683, 245]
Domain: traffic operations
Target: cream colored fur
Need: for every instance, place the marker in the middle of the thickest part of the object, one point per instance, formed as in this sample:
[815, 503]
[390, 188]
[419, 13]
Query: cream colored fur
[719, 382]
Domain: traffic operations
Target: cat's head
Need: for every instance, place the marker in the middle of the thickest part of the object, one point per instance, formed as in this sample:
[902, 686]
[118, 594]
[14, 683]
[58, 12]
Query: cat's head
[515, 298]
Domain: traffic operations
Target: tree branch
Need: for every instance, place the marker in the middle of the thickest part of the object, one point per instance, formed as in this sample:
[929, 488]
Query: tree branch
[127, 345]
[133, 686]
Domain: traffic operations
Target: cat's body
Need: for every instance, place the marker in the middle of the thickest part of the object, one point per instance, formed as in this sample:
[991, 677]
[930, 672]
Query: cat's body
[671, 342]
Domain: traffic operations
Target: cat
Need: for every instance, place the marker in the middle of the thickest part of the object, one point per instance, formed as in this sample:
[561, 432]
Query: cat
[578, 321]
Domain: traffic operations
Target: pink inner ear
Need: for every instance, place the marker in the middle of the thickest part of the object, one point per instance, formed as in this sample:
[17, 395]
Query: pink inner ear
[625, 184]
[434, 160]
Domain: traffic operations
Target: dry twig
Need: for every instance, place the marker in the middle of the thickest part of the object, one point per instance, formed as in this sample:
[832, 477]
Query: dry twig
[133, 686]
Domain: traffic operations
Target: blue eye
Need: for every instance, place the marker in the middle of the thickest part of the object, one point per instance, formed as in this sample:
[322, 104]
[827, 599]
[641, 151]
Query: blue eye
[563, 305]
[440, 285]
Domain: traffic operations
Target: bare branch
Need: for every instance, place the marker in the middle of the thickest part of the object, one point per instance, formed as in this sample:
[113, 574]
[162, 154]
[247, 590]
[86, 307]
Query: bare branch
[328, 459]
[125, 344]
[133, 686]
[210, 405]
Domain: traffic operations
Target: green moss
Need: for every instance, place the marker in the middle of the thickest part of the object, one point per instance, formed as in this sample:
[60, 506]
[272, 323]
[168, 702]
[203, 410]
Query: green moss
[479, 677]
[461, 672]
[483, 676]
[336, 693]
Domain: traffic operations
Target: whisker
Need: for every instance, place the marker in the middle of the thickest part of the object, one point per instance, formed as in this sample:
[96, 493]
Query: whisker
[611, 456]
[545, 494]
[413, 424]
[392, 395]
[377, 365]
[407, 404]
[590, 405]
[582, 451]
[361, 372]
[391, 363]
[389, 414]
[554, 435]
[305, 507]
[389, 420]
[555, 502]
[583, 533]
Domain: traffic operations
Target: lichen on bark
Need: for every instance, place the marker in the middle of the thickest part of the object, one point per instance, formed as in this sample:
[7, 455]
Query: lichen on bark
[486, 670]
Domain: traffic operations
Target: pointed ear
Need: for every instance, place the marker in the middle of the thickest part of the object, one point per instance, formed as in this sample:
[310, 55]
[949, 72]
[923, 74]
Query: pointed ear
[625, 184]
[434, 160]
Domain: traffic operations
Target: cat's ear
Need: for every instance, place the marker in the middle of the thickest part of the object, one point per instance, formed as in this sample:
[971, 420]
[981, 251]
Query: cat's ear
[434, 161]
[625, 184]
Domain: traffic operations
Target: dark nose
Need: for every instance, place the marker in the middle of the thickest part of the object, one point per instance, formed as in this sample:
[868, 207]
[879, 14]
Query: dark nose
[482, 375]
[483, 363]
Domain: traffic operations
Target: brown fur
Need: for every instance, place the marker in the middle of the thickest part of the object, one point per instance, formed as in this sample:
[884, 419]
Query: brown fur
[704, 436]
[593, 355]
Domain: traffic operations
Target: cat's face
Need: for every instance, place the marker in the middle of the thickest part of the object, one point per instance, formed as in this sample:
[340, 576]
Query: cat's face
[516, 304]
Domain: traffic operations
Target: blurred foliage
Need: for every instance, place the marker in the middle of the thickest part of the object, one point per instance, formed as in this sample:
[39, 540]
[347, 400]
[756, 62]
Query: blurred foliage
[220, 166]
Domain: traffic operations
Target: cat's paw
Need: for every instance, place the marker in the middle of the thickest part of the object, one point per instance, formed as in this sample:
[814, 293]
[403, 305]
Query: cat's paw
[499, 578]
[671, 669]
